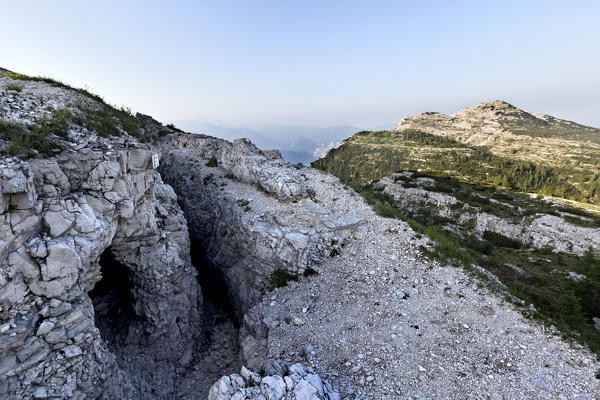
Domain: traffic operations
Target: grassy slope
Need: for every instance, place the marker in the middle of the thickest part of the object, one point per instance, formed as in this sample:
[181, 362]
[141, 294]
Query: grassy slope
[48, 134]
[369, 156]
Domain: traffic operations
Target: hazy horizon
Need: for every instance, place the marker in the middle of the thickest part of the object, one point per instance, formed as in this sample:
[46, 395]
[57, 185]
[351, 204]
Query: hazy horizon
[314, 63]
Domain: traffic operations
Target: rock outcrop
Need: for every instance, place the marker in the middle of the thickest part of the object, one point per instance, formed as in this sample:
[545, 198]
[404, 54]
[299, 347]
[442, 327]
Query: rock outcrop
[297, 383]
[250, 212]
[536, 230]
[378, 319]
[59, 215]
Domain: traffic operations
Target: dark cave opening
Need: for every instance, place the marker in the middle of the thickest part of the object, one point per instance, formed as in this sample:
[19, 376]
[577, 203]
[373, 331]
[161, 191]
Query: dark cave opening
[112, 300]
[213, 285]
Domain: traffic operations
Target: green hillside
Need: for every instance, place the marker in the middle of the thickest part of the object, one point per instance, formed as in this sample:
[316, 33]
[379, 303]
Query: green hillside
[368, 156]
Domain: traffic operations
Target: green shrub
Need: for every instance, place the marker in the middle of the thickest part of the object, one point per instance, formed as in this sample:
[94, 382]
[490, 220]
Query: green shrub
[108, 121]
[13, 87]
[243, 202]
[129, 122]
[212, 162]
[208, 178]
[26, 143]
[386, 210]
[448, 250]
[10, 130]
[481, 246]
[501, 240]
[172, 127]
[261, 188]
[57, 123]
[102, 121]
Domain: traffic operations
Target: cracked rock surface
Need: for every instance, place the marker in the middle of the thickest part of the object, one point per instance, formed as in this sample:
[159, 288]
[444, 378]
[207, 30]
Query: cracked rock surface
[58, 215]
[540, 230]
[251, 225]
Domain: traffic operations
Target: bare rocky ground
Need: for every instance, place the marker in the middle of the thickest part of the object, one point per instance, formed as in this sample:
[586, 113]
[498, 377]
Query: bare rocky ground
[380, 320]
[220, 355]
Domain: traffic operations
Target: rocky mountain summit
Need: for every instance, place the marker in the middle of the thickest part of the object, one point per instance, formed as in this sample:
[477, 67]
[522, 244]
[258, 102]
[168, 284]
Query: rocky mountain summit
[510, 132]
[141, 262]
[487, 123]
[492, 143]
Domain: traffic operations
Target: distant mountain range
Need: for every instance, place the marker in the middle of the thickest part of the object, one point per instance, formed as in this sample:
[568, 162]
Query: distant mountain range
[297, 143]
[492, 143]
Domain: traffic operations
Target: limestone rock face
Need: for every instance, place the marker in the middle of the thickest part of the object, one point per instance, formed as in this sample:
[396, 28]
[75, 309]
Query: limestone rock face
[93, 194]
[300, 383]
[248, 164]
[264, 222]
[58, 216]
[537, 231]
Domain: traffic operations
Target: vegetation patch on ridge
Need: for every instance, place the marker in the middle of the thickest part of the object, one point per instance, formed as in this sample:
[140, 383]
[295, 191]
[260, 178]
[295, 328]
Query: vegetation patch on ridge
[280, 278]
[102, 118]
[53, 82]
[369, 156]
[43, 138]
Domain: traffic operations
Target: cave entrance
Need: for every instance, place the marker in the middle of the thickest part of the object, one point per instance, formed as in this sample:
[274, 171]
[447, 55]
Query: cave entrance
[212, 283]
[113, 302]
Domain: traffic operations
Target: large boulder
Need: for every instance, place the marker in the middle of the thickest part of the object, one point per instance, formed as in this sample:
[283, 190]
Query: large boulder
[299, 383]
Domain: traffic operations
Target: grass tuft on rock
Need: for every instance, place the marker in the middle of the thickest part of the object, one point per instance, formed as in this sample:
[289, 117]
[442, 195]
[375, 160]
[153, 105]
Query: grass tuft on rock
[280, 278]
[13, 88]
[105, 119]
[28, 142]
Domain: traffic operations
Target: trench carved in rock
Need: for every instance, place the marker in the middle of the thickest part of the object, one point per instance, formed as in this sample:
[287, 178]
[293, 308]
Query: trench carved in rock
[214, 286]
[217, 349]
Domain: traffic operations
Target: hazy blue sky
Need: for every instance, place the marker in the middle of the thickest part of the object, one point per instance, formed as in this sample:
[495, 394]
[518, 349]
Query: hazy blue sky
[313, 62]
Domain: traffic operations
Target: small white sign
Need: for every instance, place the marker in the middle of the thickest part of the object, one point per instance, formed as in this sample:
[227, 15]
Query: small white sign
[155, 162]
